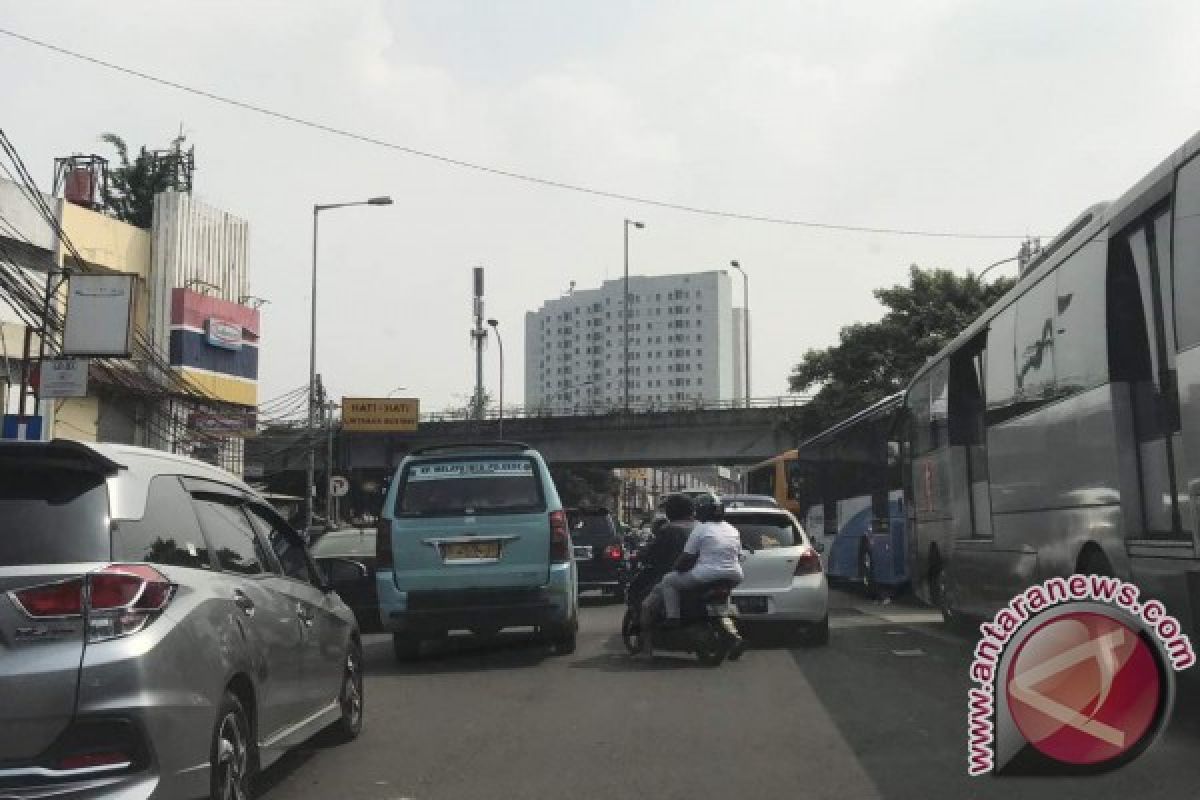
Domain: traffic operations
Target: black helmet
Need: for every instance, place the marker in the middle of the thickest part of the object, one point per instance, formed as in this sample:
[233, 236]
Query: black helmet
[709, 508]
[678, 506]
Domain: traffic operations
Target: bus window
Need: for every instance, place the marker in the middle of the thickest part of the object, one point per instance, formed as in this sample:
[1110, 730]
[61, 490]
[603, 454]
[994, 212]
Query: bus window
[918, 405]
[1000, 387]
[1034, 345]
[939, 407]
[1081, 355]
[1187, 255]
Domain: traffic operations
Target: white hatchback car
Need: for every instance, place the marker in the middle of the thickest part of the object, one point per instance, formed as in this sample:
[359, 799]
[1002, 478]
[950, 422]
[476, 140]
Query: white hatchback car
[785, 584]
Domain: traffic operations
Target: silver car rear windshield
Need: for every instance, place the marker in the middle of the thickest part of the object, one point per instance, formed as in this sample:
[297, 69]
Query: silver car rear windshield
[451, 487]
[52, 516]
[764, 531]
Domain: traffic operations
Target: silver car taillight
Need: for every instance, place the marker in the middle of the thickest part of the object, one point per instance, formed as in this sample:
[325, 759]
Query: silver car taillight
[118, 600]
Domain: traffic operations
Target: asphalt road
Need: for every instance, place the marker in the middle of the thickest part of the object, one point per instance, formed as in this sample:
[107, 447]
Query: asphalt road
[879, 712]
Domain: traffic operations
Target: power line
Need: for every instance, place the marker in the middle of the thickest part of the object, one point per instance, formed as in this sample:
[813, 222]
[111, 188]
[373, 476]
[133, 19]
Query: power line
[497, 171]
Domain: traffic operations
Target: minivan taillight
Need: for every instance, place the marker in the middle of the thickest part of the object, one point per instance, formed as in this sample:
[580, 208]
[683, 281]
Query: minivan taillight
[809, 562]
[613, 552]
[383, 544]
[560, 540]
[118, 600]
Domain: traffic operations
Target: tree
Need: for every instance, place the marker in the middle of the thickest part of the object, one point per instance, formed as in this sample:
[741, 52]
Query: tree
[875, 359]
[585, 486]
[129, 195]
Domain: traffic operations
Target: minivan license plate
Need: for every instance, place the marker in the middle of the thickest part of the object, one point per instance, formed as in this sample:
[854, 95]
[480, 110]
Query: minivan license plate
[468, 551]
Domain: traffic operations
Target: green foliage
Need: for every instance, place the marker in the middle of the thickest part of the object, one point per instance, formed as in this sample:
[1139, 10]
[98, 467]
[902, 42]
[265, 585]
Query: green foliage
[875, 359]
[585, 486]
[132, 185]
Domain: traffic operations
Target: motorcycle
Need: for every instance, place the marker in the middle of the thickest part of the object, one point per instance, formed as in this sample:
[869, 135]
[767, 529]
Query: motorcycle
[706, 626]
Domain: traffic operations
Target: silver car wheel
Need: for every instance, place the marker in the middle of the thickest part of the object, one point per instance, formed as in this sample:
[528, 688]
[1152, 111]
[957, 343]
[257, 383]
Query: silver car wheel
[352, 703]
[233, 757]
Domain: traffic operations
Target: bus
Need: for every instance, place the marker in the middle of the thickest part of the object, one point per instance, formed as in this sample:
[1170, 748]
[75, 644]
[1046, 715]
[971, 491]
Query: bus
[1060, 431]
[775, 477]
[847, 484]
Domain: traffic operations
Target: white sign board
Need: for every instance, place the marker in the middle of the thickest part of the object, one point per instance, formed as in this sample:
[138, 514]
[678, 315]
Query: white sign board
[339, 486]
[63, 377]
[99, 315]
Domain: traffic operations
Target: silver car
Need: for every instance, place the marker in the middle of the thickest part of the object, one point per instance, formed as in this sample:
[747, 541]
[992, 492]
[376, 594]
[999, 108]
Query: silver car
[163, 632]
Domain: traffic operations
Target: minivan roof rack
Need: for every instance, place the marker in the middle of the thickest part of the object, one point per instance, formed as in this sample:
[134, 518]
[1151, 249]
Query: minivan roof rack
[494, 444]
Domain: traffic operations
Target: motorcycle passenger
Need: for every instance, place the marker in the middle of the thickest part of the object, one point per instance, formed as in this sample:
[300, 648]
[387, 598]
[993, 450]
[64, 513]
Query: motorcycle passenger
[660, 555]
[712, 553]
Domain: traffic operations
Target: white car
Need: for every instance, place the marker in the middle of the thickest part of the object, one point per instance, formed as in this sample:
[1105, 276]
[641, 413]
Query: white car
[785, 584]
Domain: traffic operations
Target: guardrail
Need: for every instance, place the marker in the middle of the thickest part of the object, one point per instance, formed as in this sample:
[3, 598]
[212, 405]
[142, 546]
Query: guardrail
[609, 409]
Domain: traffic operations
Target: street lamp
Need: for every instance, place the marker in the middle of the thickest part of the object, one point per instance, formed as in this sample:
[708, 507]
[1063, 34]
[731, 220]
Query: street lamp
[745, 326]
[310, 486]
[990, 267]
[625, 306]
[397, 389]
[495, 324]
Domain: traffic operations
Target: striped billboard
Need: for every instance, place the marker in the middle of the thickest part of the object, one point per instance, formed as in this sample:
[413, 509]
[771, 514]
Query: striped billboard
[214, 343]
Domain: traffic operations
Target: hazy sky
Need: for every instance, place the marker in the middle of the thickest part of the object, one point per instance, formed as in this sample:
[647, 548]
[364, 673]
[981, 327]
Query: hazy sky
[1001, 117]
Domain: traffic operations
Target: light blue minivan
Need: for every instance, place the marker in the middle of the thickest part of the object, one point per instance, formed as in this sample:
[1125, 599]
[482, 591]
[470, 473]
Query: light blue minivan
[473, 537]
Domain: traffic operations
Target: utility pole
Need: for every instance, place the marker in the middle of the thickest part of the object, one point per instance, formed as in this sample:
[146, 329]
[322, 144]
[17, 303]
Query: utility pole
[478, 337]
[328, 406]
[625, 309]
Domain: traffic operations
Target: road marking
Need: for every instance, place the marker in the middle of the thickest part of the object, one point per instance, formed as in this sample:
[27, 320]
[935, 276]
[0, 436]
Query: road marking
[915, 652]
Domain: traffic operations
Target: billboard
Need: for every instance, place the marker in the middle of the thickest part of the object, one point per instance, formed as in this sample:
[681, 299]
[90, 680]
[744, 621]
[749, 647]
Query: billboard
[99, 315]
[380, 414]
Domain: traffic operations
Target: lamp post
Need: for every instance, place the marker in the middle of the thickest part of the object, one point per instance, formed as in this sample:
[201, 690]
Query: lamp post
[625, 307]
[495, 324]
[745, 326]
[397, 389]
[990, 267]
[310, 487]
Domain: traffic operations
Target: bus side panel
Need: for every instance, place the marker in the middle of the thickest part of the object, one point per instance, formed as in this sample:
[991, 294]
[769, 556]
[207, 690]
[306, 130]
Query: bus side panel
[1062, 455]
[932, 526]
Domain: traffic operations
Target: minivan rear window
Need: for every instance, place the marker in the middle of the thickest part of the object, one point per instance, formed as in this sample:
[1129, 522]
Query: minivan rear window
[469, 486]
[52, 516]
[764, 531]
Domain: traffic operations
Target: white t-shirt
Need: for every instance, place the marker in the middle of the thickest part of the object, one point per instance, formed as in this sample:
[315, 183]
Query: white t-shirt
[718, 547]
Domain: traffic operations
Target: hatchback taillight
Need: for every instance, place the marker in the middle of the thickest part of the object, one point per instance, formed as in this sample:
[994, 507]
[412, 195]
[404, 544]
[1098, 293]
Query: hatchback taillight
[383, 545]
[809, 562]
[560, 539]
[63, 599]
[117, 600]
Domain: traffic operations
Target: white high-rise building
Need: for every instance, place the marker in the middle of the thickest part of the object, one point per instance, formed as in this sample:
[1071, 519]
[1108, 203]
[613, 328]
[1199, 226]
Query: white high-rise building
[681, 345]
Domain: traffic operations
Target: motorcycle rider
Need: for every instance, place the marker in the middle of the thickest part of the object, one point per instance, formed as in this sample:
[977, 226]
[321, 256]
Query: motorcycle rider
[660, 555]
[712, 553]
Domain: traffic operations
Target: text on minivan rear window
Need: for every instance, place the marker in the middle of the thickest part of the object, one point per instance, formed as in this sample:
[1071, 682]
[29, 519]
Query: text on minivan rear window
[469, 486]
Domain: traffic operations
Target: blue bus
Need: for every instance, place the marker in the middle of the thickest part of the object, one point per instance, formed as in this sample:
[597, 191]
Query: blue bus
[847, 482]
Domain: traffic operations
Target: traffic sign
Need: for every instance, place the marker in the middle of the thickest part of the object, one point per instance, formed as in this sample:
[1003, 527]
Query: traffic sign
[339, 486]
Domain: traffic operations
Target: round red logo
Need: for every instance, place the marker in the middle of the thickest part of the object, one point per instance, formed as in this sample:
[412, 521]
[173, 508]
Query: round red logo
[1085, 688]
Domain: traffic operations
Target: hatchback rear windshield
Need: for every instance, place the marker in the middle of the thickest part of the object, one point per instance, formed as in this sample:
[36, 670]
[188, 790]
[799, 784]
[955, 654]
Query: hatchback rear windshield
[764, 531]
[469, 486]
[589, 526]
[52, 516]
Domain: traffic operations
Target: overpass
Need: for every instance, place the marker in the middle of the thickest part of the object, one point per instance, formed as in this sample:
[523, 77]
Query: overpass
[716, 433]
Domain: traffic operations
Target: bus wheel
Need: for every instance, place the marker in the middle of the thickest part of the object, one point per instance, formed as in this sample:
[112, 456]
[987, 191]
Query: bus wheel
[866, 569]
